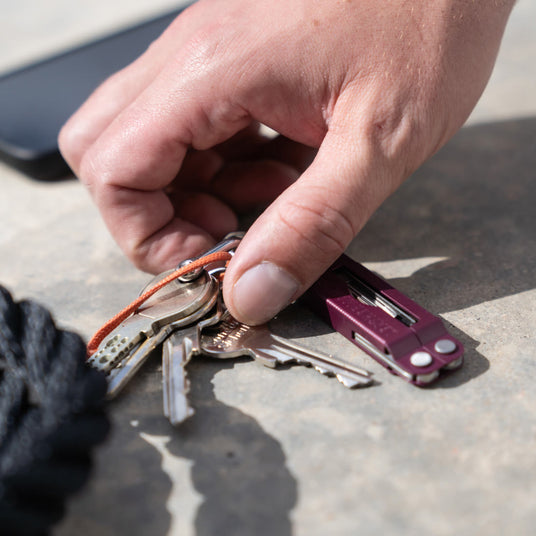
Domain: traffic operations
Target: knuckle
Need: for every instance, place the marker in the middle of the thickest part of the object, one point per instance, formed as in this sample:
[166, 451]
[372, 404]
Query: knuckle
[142, 255]
[211, 116]
[201, 53]
[71, 143]
[107, 165]
[138, 255]
[400, 139]
[93, 171]
[322, 228]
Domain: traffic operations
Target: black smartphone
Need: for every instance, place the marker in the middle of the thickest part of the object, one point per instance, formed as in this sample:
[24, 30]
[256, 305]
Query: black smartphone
[36, 100]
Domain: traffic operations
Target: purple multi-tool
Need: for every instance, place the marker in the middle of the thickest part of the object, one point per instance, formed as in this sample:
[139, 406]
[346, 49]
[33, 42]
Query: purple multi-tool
[401, 335]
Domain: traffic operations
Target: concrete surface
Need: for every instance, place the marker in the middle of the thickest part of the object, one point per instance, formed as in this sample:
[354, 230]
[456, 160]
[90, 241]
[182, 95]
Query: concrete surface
[291, 452]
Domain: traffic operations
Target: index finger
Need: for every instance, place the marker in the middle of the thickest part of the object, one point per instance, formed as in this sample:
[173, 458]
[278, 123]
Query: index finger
[145, 226]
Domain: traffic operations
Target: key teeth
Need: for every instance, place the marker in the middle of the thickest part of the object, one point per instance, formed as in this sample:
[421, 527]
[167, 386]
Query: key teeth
[351, 383]
[324, 371]
[348, 381]
[110, 353]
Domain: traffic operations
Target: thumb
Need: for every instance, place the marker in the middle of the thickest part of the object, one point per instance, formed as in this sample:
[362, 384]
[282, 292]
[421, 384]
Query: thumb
[304, 230]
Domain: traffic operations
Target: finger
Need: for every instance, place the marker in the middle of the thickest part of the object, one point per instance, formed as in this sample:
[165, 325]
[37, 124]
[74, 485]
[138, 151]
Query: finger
[144, 147]
[198, 170]
[120, 90]
[251, 144]
[244, 144]
[258, 171]
[141, 152]
[206, 212]
[109, 99]
[307, 227]
[147, 229]
[294, 154]
[249, 185]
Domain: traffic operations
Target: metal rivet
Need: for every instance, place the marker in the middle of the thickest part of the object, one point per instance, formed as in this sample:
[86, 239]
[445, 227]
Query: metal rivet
[445, 346]
[421, 359]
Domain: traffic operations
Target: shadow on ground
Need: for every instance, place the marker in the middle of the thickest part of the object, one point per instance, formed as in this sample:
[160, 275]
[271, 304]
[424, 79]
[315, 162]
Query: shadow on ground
[473, 203]
[237, 468]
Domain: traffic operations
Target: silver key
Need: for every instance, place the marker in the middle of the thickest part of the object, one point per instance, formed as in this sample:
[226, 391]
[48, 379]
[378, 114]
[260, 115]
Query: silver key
[177, 351]
[126, 348]
[127, 368]
[231, 338]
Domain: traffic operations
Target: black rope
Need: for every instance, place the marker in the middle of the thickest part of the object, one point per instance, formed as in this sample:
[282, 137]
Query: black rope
[51, 416]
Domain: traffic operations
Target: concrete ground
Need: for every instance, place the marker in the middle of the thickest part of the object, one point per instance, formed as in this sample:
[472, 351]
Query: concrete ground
[291, 452]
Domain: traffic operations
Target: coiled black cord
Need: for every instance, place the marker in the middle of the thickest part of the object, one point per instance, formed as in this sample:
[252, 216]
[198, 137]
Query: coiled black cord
[51, 416]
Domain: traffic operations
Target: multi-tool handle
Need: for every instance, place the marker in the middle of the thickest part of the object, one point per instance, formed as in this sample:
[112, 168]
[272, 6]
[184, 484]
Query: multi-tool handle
[400, 334]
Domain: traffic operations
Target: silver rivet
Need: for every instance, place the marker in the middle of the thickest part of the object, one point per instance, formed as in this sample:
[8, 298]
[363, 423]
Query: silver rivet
[445, 346]
[421, 359]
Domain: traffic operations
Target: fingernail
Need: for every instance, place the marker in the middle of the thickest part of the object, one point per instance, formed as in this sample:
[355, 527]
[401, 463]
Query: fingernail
[262, 292]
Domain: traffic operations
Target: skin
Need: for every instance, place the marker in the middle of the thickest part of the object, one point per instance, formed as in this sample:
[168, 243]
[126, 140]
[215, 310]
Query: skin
[360, 92]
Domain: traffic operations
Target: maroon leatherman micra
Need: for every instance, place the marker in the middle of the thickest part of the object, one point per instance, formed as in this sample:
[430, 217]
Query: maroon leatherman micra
[400, 334]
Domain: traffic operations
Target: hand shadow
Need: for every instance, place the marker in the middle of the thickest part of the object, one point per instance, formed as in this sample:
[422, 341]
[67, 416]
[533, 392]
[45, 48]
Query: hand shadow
[474, 205]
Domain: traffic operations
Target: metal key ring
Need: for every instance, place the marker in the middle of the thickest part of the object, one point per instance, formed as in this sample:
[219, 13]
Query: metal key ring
[229, 244]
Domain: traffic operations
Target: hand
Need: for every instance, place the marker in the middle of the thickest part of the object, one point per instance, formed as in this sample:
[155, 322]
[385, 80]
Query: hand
[170, 149]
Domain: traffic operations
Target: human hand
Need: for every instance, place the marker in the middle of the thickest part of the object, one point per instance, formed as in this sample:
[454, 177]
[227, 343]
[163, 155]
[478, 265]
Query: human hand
[170, 151]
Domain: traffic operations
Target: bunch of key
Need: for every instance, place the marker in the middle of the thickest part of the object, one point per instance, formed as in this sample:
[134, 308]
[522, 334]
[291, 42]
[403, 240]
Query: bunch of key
[187, 317]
